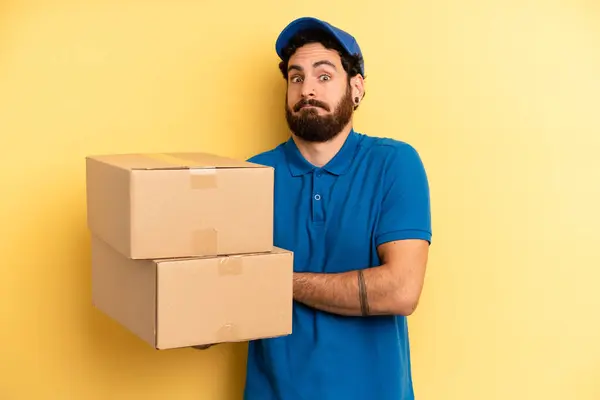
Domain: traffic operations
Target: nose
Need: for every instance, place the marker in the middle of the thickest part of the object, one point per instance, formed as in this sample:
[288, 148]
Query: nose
[308, 88]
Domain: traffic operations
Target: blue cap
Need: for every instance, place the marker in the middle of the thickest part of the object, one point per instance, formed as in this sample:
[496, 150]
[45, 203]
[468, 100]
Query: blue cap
[344, 38]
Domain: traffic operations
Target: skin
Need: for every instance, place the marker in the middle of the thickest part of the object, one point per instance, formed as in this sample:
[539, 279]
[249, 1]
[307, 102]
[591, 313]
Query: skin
[394, 287]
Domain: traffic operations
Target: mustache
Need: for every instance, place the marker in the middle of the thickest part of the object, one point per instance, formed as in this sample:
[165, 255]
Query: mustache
[310, 102]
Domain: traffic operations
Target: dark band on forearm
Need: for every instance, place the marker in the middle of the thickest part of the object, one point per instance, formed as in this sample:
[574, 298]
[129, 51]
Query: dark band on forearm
[362, 293]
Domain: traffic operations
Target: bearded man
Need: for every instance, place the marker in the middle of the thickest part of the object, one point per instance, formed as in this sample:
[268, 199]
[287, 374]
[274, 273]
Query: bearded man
[355, 210]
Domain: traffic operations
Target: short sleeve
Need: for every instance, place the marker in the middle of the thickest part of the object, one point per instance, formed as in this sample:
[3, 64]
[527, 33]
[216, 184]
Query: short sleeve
[405, 211]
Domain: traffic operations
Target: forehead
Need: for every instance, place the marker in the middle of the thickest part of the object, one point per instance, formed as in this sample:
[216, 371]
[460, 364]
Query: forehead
[312, 54]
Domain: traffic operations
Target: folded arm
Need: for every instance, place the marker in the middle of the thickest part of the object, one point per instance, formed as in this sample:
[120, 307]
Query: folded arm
[393, 288]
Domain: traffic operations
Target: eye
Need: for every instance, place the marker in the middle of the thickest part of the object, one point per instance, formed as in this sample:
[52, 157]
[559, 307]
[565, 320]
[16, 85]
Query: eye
[296, 79]
[324, 77]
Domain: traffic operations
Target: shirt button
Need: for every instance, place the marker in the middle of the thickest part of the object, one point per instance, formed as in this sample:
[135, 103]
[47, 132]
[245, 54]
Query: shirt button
[317, 197]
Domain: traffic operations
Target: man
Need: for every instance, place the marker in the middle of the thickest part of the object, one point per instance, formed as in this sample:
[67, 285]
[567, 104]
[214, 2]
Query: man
[355, 211]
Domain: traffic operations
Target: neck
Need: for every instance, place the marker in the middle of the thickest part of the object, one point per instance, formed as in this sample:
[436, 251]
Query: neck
[319, 154]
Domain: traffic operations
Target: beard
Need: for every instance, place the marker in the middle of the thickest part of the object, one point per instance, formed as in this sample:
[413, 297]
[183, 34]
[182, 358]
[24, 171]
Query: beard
[312, 127]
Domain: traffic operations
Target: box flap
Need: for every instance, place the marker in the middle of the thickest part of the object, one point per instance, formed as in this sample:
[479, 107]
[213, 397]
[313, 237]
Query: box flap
[275, 250]
[178, 160]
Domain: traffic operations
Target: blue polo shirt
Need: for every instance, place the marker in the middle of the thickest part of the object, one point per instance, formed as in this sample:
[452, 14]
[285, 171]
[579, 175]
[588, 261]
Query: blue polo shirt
[333, 218]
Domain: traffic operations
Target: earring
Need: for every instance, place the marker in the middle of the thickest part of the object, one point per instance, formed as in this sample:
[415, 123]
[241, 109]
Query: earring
[356, 100]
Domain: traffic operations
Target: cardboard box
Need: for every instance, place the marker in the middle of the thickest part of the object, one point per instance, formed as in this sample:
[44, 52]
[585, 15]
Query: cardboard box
[174, 303]
[179, 204]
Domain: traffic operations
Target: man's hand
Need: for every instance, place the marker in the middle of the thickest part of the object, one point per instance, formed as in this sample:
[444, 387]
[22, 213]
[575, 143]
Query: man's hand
[202, 347]
[393, 288]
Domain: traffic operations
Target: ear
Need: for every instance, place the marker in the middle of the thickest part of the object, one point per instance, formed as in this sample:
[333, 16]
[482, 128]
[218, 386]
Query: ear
[358, 87]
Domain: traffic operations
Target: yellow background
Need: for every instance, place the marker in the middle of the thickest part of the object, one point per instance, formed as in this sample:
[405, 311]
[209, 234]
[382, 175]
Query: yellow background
[501, 98]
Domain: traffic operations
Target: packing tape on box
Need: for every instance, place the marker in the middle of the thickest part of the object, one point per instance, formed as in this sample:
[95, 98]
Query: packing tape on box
[200, 177]
[231, 265]
[205, 242]
[203, 178]
[228, 333]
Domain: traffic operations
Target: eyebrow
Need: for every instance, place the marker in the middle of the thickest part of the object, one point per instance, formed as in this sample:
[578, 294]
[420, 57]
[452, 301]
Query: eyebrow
[316, 64]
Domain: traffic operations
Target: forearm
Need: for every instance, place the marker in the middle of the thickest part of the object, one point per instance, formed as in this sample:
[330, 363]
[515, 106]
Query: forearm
[344, 294]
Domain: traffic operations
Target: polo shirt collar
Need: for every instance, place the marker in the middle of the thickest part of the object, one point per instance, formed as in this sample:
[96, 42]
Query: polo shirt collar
[338, 165]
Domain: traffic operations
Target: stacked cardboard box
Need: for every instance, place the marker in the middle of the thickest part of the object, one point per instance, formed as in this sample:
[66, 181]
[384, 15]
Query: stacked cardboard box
[182, 248]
